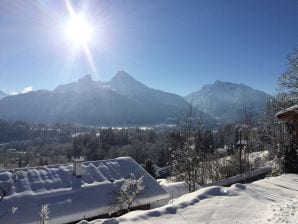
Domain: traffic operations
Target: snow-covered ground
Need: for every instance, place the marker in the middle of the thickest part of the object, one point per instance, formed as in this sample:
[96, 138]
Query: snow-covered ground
[271, 200]
[174, 189]
[257, 159]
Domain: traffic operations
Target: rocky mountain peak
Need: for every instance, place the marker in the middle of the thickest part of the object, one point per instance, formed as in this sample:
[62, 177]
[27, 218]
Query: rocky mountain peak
[86, 79]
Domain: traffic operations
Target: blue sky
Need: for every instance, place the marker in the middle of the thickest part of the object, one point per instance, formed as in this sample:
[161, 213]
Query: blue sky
[176, 46]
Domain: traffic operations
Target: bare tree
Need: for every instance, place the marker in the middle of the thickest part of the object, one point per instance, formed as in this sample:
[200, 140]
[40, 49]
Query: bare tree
[288, 82]
[44, 214]
[185, 151]
[285, 149]
[127, 193]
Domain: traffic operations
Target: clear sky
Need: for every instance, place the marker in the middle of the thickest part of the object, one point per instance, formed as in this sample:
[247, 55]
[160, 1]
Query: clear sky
[176, 46]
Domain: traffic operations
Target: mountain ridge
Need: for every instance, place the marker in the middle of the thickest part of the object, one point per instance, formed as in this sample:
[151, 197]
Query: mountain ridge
[225, 100]
[125, 100]
[122, 100]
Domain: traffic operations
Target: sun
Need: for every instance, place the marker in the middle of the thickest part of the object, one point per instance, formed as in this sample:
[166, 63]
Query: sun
[78, 30]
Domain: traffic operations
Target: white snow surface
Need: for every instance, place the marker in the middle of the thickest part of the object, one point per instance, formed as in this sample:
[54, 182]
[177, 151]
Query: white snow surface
[70, 198]
[270, 200]
[175, 189]
[257, 159]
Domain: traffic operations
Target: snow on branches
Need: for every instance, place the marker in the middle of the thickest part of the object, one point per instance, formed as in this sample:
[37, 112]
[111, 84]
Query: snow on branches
[44, 214]
[288, 82]
[6, 187]
[130, 188]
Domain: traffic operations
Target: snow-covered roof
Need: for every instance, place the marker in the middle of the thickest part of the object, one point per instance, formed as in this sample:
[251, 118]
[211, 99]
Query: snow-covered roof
[289, 114]
[242, 142]
[221, 150]
[70, 198]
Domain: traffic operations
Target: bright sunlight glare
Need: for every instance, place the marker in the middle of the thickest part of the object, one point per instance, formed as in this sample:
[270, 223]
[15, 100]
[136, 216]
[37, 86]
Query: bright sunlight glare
[78, 30]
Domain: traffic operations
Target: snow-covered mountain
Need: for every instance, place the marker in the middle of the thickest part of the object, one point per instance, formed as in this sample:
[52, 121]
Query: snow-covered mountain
[126, 85]
[2, 94]
[82, 85]
[226, 101]
[123, 100]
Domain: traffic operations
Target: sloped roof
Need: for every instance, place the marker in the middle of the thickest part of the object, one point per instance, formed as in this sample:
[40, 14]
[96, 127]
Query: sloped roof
[243, 142]
[288, 114]
[70, 198]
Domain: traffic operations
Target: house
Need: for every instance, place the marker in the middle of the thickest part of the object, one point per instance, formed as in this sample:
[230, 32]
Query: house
[72, 196]
[241, 142]
[289, 114]
[290, 117]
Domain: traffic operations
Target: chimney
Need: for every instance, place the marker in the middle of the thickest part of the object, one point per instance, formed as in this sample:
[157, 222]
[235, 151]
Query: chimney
[77, 166]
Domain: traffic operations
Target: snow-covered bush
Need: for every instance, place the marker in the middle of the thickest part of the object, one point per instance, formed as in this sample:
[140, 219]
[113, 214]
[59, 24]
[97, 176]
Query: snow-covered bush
[5, 189]
[127, 193]
[44, 214]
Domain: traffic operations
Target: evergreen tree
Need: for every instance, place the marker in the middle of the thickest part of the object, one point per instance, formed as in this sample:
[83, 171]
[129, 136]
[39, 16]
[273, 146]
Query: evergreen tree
[149, 167]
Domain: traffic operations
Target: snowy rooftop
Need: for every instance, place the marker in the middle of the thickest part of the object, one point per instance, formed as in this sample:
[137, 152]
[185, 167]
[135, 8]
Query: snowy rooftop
[71, 198]
[242, 142]
[289, 114]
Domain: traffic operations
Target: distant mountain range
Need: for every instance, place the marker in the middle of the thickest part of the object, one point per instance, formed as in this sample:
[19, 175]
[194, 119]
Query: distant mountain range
[227, 101]
[124, 101]
[2, 94]
[121, 101]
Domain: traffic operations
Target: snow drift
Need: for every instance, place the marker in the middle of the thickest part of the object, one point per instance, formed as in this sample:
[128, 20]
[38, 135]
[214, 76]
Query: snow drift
[271, 200]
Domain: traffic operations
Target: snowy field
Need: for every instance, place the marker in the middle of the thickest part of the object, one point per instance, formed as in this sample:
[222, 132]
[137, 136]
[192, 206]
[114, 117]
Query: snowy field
[271, 200]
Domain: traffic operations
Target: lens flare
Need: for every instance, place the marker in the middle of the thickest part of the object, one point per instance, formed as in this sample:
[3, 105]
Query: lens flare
[78, 30]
